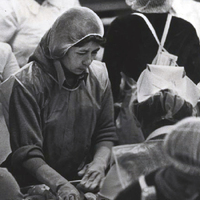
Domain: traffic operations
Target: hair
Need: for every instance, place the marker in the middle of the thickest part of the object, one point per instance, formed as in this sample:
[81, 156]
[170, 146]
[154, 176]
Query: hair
[94, 38]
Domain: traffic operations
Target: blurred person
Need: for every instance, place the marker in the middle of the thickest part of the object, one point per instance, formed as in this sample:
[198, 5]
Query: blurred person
[131, 46]
[181, 178]
[23, 23]
[134, 41]
[61, 109]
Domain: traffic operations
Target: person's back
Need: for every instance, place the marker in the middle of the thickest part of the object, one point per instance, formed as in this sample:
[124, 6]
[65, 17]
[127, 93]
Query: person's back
[188, 10]
[131, 46]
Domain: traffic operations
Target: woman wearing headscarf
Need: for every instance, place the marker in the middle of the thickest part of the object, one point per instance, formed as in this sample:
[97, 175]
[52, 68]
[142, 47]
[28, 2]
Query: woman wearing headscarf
[23, 23]
[181, 178]
[61, 109]
[131, 46]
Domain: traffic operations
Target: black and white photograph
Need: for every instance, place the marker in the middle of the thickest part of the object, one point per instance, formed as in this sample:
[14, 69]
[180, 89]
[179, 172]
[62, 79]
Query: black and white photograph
[100, 100]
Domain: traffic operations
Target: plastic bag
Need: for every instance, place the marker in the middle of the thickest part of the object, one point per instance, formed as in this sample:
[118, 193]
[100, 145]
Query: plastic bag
[127, 126]
[135, 160]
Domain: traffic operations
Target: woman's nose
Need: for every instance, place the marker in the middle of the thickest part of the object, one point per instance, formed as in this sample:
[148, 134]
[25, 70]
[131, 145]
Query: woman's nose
[88, 60]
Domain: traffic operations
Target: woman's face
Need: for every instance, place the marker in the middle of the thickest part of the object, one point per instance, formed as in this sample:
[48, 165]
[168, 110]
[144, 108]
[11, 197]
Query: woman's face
[78, 59]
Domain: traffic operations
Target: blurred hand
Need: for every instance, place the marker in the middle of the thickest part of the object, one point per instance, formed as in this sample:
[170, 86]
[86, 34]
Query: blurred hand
[68, 192]
[93, 174]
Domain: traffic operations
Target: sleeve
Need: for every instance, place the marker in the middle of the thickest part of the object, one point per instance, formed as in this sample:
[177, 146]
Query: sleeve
[114, 54]
[8, 21]
[105, 128]
[190, 55]
[8, 63]
[25, 132]
[193, 62]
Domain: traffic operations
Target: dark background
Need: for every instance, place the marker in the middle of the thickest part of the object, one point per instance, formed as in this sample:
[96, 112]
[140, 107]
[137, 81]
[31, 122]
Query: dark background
[107, 9]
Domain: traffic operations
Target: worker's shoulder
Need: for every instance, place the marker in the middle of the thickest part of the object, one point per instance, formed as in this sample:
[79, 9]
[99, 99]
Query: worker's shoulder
[31, 75]
[182, 24]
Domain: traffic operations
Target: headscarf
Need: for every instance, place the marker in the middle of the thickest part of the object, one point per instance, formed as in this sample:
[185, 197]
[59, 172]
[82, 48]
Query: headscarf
[163, 108]
[70, 28]
[182, 146]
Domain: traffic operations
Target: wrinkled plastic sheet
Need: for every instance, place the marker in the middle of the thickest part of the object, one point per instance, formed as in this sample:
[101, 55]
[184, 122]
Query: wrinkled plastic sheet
[137, 159]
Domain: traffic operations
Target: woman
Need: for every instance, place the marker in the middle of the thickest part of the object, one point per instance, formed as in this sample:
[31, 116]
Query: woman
[131, 46]
[181, 178]
[23, 23]
[61, 109]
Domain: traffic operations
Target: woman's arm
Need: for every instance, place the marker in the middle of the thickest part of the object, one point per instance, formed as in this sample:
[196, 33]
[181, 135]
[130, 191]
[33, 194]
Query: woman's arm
[27, 140]
[103, 140]
[47, 175]
[94, 173]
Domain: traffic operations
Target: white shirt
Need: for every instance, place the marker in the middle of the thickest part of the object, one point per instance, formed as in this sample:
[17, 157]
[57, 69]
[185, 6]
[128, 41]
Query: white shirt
[24, 22]
[188, 10]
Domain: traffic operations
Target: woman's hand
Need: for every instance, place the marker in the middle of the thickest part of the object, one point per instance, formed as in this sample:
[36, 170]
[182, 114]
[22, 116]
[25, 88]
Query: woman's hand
[93, 174]
[67, 191]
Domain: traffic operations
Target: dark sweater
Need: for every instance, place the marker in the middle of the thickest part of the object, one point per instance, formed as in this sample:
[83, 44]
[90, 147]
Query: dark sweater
[59, 126]
[131, 45]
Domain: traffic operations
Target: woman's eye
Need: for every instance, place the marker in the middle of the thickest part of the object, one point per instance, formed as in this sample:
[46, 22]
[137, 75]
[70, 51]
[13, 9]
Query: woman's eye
[81, 53]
